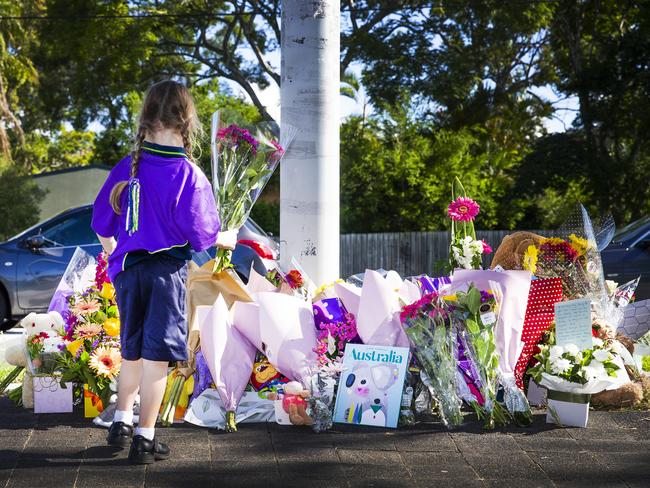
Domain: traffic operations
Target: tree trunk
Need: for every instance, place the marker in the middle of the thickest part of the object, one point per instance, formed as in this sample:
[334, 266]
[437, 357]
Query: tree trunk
[309, 177]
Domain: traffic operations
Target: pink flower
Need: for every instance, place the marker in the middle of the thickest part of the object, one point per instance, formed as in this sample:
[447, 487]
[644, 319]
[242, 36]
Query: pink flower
[486, 247]
[463, 209]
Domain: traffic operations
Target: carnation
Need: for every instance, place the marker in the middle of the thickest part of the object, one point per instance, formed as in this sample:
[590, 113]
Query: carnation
[561, 365]
[601, 355]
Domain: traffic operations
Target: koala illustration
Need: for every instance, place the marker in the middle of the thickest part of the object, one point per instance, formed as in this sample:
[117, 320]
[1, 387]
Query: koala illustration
[367, 386]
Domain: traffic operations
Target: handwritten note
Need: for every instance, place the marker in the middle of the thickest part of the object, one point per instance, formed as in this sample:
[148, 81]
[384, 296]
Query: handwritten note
[573, 323]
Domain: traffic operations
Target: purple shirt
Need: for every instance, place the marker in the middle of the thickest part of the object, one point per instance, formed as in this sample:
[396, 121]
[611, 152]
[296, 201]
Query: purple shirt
[177, 207]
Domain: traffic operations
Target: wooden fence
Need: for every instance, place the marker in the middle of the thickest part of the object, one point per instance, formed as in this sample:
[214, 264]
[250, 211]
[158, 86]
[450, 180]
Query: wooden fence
[408, 253]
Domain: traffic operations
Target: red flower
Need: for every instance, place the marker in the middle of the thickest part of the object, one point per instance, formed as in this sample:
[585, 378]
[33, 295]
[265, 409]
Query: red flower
[295, 279]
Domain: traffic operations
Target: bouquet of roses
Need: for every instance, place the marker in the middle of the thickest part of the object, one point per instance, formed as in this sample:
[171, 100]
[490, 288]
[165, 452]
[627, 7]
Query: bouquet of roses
[475, 313]
[91, 354]
[465, 250]
[428, 326]
[242, 163]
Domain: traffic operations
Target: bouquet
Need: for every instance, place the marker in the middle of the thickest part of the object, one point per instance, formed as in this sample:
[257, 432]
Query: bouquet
[465, 250]
[567, 368]
[242, 163]
[332, 336]
[92, 349]
[43, 350]
[429, 329]
[475, 313]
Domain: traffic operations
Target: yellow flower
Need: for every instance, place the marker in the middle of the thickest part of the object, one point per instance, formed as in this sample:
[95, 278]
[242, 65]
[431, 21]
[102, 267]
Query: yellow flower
[74, 346]
[112, 327]
[579, 244]
[552, 240]
[530, 259]
[450, 298]
[108, 291]
[322, 288]
[106, 362]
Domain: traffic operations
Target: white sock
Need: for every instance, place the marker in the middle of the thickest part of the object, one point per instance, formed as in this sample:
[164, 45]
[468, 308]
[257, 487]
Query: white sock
[125, 416]
[147, 433]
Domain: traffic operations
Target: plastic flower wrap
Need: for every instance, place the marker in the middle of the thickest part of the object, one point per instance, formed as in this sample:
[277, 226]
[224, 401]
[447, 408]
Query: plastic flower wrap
[243, 161]
[465, 250]
[81, 273]
[513, 287]
[475, 314]
[91, 351]
[429, 329]
[574, 256]
[44, 348]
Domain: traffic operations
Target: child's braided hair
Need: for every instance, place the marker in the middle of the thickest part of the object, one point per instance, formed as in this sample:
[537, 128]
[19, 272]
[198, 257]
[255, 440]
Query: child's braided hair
[167, 105]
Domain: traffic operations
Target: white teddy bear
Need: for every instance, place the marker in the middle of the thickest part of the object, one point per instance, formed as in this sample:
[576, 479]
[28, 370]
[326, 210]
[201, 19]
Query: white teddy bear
[16, 354]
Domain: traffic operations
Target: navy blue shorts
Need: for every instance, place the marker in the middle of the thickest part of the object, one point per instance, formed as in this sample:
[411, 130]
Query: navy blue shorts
[151, 299]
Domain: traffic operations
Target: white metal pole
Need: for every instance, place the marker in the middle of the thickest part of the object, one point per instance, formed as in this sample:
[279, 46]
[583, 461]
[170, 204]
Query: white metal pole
[309, 174]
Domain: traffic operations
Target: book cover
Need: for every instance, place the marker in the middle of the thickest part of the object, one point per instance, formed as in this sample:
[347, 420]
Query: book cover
[370, 389]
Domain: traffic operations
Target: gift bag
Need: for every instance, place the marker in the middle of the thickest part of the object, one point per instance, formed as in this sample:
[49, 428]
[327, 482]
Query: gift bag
[50, 397]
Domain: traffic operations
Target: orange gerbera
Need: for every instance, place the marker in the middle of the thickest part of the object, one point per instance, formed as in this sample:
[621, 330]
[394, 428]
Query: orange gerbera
[106, 361]
[86, 307]
[88, 330]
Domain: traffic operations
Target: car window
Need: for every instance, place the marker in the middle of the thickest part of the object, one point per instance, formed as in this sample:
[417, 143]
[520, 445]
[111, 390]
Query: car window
[633, 230]
[252, 225]
[73, 230]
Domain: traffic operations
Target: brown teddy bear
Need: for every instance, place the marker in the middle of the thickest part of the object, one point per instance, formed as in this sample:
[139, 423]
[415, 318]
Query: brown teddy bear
[511, 251]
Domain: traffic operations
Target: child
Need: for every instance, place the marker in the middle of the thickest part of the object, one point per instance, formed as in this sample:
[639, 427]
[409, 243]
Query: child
[160, 206]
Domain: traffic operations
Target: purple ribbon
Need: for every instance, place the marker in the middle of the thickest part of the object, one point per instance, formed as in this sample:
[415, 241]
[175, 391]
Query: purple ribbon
[432, 285]
[467, 367]
[202, 376]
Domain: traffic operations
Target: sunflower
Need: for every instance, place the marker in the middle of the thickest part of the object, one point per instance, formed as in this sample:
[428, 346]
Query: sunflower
[88, 330]
[86, 307]
[579, 244]
[112, 327]
[530, 259]
[106, 361]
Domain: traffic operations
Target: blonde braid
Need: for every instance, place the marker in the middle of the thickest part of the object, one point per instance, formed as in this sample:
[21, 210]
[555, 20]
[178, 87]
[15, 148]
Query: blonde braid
[116, 192]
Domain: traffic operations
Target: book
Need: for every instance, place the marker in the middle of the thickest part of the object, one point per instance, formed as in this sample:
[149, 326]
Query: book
[370, 389]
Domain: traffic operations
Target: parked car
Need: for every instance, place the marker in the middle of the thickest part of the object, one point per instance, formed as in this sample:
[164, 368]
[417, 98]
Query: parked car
[628, 256]
[33, 262]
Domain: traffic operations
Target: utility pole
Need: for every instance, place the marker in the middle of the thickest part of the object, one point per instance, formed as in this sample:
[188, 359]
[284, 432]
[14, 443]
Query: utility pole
[309, 174]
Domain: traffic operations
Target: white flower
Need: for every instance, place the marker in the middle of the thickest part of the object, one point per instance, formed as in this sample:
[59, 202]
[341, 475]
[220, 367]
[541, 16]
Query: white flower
[591, 373]
[561, 365]
[617, 347]
[601, 355]
[555, 353]
[572, 349]
[331, 344]
[597, 342]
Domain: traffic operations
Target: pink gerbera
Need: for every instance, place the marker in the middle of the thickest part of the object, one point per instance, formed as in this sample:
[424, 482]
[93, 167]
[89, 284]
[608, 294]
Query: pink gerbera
[86, 307]
[486, 247]
[463, 209]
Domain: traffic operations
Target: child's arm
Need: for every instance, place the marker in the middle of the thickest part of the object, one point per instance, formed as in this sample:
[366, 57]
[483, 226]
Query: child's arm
[108, 243]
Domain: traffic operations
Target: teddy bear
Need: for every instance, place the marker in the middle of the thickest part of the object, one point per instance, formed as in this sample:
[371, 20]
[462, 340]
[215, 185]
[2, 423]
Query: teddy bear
[265, 378]
[510, 252]
[16, 355]
[294, 403]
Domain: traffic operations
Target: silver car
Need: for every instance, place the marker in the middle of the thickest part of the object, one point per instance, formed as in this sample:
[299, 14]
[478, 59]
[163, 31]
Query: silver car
[32, 263]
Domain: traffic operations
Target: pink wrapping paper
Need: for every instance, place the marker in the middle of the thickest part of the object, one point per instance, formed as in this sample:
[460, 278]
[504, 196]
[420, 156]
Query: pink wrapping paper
[350, 295]
[246, 319]
[258, 284]
[514, 285]
[378, 321]
[288, 334]
[229, 355]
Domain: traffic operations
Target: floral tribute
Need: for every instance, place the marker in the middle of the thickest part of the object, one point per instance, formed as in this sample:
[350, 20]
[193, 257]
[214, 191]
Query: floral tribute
[242, 162]
[465, 251]
[332, 338]
[91, 352]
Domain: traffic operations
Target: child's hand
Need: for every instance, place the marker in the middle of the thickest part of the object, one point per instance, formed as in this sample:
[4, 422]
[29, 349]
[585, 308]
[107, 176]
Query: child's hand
[227, 239]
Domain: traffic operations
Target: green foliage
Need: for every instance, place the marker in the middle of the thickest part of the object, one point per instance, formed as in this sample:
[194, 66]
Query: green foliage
[19, 205]
[267, 216]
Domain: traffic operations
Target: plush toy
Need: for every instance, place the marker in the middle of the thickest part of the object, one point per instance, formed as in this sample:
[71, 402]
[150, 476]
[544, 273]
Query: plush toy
[16, 355]
[265, 378]
[294, 403]
[511, 251]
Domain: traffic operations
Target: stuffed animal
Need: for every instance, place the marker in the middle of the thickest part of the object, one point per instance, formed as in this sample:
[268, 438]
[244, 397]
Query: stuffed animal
[265, 378]
[294, 403]
[16, 355]
[511, 251]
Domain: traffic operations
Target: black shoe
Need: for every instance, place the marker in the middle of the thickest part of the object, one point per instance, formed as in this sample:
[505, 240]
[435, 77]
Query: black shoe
[144, 451]
[119, 434]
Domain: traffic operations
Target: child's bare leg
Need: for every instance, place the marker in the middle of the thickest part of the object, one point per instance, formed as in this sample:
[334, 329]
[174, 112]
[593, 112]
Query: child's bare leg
[128, 384]
[152, 390]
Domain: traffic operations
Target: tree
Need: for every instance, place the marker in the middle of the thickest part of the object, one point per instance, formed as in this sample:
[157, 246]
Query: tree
[19, 206]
